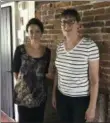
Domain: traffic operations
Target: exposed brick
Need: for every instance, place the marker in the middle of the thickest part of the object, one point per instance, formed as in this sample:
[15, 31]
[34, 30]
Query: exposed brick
[96, 37]
[105, 70]
[44, 7]
[81, 13]
[94, 12]
[59, 10]
[49, 5]
[102, 17]
[106, 44]
[103, 79]
[101, 4]
[46, 31]
[83, 7]
[47, 18]
[57, 16]
[44, 12]
[60, 38]
[50, 12]
[94, 24]
[75, 3]
[92, 30]
[107, 10]
[45, 36]
[105, 63]
[54, 37]
[107, 76]
[87, 18]
[62, 4]
[108, 118]
[107, 23]
[102, 89]
[105, 56]
[45, 40]
[105, 50]
[106, 37]
[51, 31]
[55, 22]
[49, 26]
[106, 30]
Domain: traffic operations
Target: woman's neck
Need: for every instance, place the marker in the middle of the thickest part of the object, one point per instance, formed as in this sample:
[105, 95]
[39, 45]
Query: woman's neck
[35, 45]
[72, 40]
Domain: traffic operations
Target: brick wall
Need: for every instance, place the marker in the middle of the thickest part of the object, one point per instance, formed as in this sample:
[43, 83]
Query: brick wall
[108, 118]
[95, 17]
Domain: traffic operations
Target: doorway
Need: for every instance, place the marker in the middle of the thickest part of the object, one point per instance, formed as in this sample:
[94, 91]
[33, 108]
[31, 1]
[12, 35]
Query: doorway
[6, 62]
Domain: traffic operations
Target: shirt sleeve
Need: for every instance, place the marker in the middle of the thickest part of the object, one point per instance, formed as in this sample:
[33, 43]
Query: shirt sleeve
[93, 51]
[17, 60]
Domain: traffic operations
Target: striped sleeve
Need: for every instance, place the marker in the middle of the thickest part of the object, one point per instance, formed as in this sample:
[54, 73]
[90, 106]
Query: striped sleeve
[58, 47]
[93, 51]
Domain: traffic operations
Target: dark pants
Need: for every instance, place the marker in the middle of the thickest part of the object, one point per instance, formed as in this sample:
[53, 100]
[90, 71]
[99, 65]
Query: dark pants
[71, 109]
[31, 115]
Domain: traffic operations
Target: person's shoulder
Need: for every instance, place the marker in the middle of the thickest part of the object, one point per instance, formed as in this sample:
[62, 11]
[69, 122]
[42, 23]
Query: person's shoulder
[88, 41]
[48, 50]
[20, 48]
[90, 44]
[60, 44]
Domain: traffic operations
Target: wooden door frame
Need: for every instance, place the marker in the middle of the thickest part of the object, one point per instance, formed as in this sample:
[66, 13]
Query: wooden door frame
[13, 36]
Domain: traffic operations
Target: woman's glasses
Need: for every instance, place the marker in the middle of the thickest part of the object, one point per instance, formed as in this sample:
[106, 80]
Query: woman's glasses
[67, 21]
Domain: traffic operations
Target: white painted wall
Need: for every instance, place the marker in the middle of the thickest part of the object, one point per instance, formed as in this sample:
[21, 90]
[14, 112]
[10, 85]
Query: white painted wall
[26, 11]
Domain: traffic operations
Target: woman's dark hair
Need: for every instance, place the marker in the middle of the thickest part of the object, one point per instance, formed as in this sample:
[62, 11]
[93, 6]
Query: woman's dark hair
[71, 12]
[37, 22]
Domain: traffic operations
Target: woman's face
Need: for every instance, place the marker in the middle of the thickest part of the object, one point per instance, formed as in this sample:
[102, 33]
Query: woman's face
[69, 26]
[34, 33]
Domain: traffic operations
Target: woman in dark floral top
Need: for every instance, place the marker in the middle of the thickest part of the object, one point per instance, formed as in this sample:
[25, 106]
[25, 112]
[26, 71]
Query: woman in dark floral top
[30, 67]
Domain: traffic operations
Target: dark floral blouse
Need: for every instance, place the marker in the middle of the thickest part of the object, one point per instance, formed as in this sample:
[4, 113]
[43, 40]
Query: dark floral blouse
[33, 71]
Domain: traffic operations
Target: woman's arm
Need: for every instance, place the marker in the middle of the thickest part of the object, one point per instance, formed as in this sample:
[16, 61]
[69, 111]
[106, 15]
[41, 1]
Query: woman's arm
[54, 90]
[55, 84]
[50, 76]
[94, 87]
[51, 65]
[94, 82]
[16, 62]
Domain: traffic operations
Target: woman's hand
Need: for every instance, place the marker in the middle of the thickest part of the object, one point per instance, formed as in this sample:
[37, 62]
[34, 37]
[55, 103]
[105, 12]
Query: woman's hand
[50, 76]
[90, 115]
[54, 101]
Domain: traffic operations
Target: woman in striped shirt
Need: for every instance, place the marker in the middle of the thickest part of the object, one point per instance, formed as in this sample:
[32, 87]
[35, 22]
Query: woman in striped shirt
[75, 89]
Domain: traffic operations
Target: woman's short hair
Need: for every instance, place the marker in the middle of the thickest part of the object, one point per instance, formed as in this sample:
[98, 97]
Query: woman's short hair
[37, 22]
[71, 12]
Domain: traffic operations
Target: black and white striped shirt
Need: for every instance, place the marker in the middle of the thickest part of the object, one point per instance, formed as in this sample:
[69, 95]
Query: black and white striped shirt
[72, 67]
